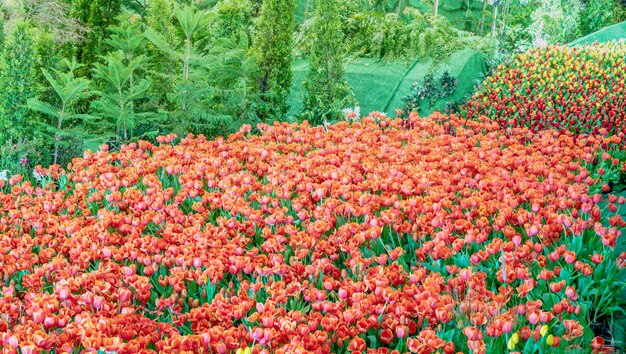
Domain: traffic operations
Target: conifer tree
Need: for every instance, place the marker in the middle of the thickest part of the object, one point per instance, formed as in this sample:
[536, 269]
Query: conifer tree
[97, 15]
[326, 91]
[213, 86]
[160, 19]
[233, 98]
[188, 108]
[18, 80]
[117, 96]
[69, 89]
[273, 44]
[231, 17]
[127, 38]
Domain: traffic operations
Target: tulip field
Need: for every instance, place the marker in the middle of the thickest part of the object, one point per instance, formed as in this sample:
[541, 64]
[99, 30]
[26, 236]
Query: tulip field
[442, 234]
[581, 89]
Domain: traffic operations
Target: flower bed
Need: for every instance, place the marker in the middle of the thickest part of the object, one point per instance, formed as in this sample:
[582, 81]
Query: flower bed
[580, 89]
[365, 236]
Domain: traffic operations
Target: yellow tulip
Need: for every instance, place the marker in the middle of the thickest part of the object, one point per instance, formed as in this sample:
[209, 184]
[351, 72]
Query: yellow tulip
[511, 344]
[544, 330]
[515, 337]
[550, 340]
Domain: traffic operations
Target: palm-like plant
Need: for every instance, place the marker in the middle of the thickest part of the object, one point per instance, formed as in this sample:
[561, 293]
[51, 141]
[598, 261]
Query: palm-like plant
[189, 83]
[69, 89]
[234, 72]
[116, 94]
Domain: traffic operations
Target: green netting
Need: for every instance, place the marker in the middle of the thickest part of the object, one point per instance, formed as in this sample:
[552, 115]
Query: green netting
[372, 81]
[380, 86]
[301, 7]
[466, 65]
[615, 32]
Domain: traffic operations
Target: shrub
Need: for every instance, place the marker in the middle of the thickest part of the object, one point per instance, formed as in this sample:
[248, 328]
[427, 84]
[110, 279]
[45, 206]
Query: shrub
[430, 91]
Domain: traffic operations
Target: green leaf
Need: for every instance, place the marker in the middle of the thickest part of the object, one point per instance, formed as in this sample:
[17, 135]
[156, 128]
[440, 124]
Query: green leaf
[430, 267]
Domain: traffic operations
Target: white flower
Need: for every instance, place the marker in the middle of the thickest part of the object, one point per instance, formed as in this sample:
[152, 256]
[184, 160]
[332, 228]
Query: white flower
[37, 176]
[4, 175]
[352, 114]
[540, 42]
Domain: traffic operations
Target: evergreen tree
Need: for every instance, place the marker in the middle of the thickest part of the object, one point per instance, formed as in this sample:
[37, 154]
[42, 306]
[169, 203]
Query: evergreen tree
[556, 21]
[231, 17]
[233, 98]
[187, 98]
[128, 39]
[97, 15]
[117, 95]
[326, 91]
[213, 86]
[597, 14]
[273, 46]
[69, 90]
[19, 84]
[160, 19]
[21, 145]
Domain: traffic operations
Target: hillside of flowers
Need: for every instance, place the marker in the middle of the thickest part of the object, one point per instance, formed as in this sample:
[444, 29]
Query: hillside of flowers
[580, 89]
[428, 235]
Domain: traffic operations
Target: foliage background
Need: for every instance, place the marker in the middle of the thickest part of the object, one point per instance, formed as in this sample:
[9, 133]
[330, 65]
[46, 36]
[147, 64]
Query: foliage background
[147, 77]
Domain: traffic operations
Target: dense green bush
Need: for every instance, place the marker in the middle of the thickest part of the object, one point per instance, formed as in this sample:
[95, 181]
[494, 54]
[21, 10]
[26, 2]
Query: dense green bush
[389, 37]
[601, 13]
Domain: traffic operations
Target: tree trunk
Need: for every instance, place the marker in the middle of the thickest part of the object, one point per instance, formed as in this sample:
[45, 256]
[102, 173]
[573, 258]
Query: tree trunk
[493, 25]
[435, 8]
[504, 15]
[306, 10]
[183, 103]
[399, 7]
[243, 100]
[482, 19]
[57, 138]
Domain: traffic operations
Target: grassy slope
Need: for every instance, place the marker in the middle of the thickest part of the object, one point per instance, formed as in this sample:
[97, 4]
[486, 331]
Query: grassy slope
[617, 31]
[380, 86]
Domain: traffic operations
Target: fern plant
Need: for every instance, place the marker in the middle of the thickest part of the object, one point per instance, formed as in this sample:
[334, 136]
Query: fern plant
[69, 89]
